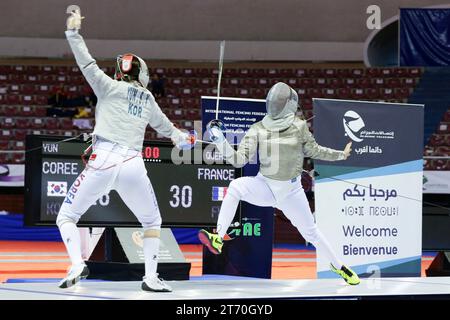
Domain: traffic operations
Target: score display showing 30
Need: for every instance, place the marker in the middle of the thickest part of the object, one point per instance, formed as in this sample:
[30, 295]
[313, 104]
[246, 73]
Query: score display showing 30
[187, 194]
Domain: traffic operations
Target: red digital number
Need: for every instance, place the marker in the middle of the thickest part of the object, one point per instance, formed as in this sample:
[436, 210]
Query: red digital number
[151, 153]
[148, 152]
[155, 153]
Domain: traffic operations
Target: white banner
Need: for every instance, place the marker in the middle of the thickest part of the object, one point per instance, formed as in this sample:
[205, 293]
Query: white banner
[369, 206]
[12, 175]
[436, 182]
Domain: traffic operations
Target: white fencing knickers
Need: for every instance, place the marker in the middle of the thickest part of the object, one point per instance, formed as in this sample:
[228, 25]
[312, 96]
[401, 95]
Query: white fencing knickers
[112, 166]
[288, 196]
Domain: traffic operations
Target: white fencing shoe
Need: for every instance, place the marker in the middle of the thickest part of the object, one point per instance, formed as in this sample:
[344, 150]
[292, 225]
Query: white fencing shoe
[75, 274]
[155, 284]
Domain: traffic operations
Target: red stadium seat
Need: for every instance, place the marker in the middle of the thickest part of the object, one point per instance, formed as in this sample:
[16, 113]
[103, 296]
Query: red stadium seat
[273, 73]
[40, 111]
[258, 73]
[344, 93]
[186, 92]
[193, 114]
[20, 134]
[178, 114]
[365, 83]
[191, 82]
[177, 82]
[230, 73]
[330, 93]
[316, 73]
[293, 82]
[330, 73]
[203, 72]
[244, 73]
[205, 83]
[305, 83]
[4, 158]
[22, 123]
[357, 73]
[373, 72]
[26, 111]
[28, 99]
[401, 93]
[18, 158]
[249, 83]
[379, 83]
[258, 93]
[6, 135]
[7, 123]
[350, 82]
[414, 72]
[48, 69]
[191, 103]
[301, 73]
[288, 73]
[387, 94]
[393, 82]
[65, 123]
[51, 124]
[40, 100]
[387, 72]
[18, 145]
[188, 72]
[37, 123]
[32, 78]
[4, 145]
[372, 93]
[335, 83]
[320, 83]
[10, 111]
[243, 92]
[400, 72]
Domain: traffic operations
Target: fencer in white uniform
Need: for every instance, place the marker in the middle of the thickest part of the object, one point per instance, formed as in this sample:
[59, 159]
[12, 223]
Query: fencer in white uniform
[281, 140]
[124, 109]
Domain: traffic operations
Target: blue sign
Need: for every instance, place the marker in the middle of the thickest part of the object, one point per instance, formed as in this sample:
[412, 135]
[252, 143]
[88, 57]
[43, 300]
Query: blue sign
[248, 250]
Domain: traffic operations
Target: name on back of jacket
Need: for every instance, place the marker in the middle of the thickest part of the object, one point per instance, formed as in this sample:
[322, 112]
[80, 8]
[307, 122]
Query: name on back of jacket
[136, 101]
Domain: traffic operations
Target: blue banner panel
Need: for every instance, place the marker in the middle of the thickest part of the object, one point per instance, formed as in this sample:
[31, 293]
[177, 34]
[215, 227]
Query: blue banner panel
[424, 37]
[248, 252]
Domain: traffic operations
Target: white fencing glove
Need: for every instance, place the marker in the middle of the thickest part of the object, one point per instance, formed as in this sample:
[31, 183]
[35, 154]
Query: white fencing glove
[74, 20]
[183, 140]
[215, 129]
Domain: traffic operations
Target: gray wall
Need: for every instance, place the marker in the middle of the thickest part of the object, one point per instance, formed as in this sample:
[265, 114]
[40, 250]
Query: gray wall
[254, 20]
[284, 30]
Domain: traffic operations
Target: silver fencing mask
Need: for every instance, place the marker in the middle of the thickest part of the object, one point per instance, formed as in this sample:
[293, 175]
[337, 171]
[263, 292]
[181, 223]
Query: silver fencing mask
[281, 101]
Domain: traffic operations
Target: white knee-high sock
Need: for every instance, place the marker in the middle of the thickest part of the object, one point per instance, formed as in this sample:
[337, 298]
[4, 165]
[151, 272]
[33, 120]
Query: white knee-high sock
[226, 214]
[71, 237]
[151, 249]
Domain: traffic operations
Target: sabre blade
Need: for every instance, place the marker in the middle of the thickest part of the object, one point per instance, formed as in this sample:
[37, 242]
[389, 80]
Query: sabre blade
[222, 50]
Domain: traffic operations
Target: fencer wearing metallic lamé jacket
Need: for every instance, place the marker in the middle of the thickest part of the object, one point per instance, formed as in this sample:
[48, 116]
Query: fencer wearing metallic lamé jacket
[282, 140]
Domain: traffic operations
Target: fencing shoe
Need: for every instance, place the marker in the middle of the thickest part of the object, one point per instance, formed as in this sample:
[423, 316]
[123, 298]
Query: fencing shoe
[75, 274]
[347, 274]
[211, 240]
[155, 284]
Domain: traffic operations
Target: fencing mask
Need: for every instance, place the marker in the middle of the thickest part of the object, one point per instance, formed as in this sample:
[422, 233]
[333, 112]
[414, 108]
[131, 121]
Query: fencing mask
[281, 105]
[131, 67]
[281, 101]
